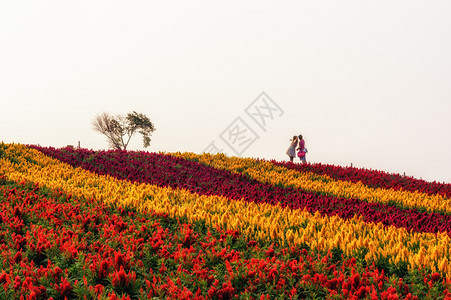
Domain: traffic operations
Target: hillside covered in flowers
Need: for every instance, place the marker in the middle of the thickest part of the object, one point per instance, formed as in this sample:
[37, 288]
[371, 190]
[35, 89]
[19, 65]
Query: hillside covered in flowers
[84, 224]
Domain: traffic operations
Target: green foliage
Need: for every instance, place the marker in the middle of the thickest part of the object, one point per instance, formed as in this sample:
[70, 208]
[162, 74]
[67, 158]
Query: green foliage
[142, 124]
[337, 255]
[120, 129]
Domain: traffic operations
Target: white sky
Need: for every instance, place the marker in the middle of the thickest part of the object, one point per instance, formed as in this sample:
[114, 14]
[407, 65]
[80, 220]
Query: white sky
[365, 82]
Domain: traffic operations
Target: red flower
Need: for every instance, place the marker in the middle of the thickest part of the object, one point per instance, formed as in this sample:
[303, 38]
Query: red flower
[18, 257]
[113, 297]
[251, 243]
[163, 268]
[99, 289]
[64, 287]
[119, 278]
[17, 282]
[270, 252]
[3, 277]
[212, 292]
[435, 277]
[118, 259]
[229, 268]
[104, 269]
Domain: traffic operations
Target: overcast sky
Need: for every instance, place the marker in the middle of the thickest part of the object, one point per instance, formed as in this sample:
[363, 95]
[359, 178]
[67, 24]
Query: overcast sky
[365, 82]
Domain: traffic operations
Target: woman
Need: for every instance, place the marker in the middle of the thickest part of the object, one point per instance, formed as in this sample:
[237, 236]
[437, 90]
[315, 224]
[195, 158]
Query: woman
[291, 152]
[302, 150]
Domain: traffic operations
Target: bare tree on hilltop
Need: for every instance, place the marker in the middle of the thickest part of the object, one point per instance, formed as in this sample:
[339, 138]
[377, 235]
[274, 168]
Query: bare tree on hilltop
[120, 129]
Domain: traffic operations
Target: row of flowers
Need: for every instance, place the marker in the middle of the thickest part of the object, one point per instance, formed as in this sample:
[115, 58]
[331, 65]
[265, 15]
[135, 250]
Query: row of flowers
[57, 246]
[292, 175]
[373, 178]
[166, 170]
[354, 237]
[281, 174]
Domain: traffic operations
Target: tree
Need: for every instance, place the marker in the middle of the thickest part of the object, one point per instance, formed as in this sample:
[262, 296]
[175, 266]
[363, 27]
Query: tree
[120, 129]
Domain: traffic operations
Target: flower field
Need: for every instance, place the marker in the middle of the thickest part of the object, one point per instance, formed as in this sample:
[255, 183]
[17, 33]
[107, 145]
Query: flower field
[84, 224]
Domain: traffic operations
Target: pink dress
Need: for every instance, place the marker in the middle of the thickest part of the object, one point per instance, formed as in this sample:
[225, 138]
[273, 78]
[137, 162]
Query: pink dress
[301, 151]
[301, 145]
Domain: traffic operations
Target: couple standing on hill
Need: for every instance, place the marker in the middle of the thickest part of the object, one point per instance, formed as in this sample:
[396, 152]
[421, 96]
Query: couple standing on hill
[291, 152]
